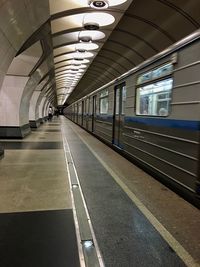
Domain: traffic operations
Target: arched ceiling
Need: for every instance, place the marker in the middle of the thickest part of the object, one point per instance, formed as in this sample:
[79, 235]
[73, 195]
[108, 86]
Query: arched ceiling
[142, 29]
[48, 33]
[74, 46]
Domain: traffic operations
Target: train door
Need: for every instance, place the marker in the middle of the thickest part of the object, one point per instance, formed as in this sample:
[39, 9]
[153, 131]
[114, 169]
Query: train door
[87, 112]
[77, 111]
[82, 114]
[118, 118]
[94, 106]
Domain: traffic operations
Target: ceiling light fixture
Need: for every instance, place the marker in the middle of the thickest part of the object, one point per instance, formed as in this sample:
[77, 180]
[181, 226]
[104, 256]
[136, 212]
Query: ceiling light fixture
[91, 26]
[84, 61]
[93, 35]
[82, 66]
[116, 2]
[81, 50]
[94, 20]
[98, 4]
[82, 55]
[73, 69]
[79, 59]
[85, 39]
[86, 46]
[103, 4]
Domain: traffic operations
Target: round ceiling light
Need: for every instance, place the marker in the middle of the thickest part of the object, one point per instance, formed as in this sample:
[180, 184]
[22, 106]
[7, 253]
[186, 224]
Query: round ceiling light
[74, 69]
[63, 69]
[80, 61]
[98, 4]
[82, 66]
[116, 2]
[97, 18]
[63, 73]
[91, 26]
[85, 39]
[86, 46]
[93, 35]
[80, 55]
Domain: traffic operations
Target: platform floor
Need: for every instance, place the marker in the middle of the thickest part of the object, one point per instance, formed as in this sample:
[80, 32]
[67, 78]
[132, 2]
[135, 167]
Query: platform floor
[137, 221]
[36, 218]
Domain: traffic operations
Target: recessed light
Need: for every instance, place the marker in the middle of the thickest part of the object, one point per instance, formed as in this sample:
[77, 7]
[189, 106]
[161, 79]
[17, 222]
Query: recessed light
[84, 54]
[98, 4]
[88, 243]
[81, 50]
[79, 59]
[116, 2]
[73, 69]
[94, 35]
[85, 39]
[91, 26]
[95, 20]
[86, 46]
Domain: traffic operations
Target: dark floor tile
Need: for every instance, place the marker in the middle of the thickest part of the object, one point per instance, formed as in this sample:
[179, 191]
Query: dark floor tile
[52, 131]
[31, 145]
[38, 239]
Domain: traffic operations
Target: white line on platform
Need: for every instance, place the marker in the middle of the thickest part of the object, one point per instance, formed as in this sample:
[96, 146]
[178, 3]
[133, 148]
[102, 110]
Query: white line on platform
[99, 256]
[80, 249]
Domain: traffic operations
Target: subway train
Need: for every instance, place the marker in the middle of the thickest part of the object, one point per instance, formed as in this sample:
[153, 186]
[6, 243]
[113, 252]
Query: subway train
[151, 115]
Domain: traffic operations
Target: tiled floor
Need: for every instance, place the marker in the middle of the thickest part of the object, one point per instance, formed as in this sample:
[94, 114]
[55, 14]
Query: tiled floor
[36, 218]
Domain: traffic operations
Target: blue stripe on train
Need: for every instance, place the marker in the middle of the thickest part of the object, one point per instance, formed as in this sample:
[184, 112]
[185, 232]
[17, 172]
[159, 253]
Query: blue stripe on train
[170, 123]
[105, 117]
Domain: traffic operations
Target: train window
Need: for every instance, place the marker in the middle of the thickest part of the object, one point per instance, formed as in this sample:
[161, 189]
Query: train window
[162, 71]
[154, 99]
[88, 106]
[144, 77]
[159, 72]
[103, 102]
[104, 93]
[80, 108]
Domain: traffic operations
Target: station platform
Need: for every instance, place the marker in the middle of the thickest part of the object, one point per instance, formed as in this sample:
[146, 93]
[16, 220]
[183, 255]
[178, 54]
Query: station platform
[66, 199]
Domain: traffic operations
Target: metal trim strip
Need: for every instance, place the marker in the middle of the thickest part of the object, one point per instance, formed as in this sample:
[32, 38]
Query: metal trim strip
[164, 135]
[150, 165]
[162, 147]
[165, 161]
[187, 66]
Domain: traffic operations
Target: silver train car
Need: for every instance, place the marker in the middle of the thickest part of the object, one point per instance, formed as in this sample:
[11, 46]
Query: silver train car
[151, 115]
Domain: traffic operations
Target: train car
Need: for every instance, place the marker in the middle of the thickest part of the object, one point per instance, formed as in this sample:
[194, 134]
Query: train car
[151, 115]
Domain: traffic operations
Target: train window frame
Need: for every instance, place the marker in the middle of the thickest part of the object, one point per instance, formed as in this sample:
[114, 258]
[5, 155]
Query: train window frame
[151, 74]
[79, 108]
[123, 101]
[158, 92]
[120, 99]
[103, 100]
